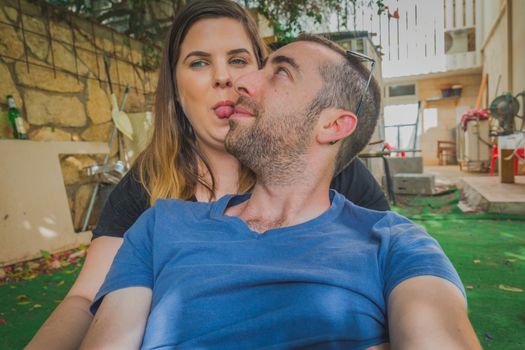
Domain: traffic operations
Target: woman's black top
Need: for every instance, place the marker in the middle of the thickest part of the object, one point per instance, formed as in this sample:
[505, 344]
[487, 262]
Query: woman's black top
[129, 199]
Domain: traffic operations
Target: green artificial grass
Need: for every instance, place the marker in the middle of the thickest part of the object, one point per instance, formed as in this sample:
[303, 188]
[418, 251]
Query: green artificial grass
[487, 250]
[488, 254]
[26, 304]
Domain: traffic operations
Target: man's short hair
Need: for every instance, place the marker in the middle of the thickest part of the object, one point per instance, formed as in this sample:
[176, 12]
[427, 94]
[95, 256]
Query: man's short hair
[343, 85]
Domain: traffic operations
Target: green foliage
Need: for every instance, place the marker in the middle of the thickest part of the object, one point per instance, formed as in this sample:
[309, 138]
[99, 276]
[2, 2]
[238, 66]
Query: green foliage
[138, 19]
[287, 16]
[151, 58]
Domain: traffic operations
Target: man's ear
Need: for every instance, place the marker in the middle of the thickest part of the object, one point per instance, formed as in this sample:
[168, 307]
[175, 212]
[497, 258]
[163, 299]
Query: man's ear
[335, 125]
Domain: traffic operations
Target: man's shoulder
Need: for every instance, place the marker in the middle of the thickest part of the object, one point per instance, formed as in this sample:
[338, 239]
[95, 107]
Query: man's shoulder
[384, 222]
[356, 212]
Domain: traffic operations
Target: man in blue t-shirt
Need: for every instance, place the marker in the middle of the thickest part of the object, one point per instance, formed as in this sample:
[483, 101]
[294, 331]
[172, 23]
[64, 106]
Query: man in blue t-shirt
[291, 265]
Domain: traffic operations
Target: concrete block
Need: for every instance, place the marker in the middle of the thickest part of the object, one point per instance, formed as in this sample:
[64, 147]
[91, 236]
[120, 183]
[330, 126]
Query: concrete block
[405, 183]
[412, 165]
[488, 194]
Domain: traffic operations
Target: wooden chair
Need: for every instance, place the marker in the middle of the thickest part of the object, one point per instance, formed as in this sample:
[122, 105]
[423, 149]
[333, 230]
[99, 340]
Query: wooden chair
[445, 149]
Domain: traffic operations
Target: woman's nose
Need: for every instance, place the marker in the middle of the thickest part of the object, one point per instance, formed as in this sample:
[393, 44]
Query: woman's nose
[222, 79]
[223, 83]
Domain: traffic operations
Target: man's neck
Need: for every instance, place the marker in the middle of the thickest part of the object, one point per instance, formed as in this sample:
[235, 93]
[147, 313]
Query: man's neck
[273, 206]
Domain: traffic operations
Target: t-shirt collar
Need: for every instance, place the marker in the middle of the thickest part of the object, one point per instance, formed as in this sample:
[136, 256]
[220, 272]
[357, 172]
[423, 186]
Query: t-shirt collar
[337, 201]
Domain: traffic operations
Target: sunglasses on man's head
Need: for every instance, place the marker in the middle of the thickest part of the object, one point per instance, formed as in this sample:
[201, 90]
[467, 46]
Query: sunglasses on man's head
[363, 58]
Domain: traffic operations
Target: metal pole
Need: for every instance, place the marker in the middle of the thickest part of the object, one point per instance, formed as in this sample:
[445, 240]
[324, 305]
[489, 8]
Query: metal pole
[105, 162]
[417, 125]
[398, 137]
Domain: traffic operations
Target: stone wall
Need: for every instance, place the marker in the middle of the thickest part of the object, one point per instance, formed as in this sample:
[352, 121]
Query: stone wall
[52, 63]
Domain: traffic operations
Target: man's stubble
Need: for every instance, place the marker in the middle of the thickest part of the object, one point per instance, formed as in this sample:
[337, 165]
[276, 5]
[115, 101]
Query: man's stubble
[273, 146]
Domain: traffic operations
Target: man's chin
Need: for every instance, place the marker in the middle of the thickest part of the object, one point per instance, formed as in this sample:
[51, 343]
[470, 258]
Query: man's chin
[235, 142]
[236, 130]
[230, 141]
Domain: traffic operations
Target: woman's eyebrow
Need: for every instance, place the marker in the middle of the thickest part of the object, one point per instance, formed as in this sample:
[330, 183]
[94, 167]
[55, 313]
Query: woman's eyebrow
[238, 51]
[198, 54]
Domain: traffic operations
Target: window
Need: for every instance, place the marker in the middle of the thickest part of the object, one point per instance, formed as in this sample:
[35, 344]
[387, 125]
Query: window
[401, 90]
[400, 125]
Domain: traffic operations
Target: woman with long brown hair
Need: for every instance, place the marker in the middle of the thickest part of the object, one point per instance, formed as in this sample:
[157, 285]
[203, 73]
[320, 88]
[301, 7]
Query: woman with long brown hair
[211, 43]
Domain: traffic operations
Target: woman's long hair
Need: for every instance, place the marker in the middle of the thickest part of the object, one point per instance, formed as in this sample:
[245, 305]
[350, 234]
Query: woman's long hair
[169, 166]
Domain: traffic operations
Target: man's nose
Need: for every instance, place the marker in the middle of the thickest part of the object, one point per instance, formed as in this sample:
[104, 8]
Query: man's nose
[248, 84]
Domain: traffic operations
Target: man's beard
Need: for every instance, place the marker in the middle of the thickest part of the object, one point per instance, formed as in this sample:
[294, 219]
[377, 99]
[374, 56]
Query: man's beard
[273, 147]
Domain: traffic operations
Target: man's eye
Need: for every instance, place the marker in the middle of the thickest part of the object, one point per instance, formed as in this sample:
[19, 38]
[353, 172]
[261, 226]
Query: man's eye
[238, 61]
[281, 71]
[198, 64]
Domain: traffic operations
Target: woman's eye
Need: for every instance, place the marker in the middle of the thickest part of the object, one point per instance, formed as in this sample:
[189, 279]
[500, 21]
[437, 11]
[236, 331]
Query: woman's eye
[198, 64]
[238, 61]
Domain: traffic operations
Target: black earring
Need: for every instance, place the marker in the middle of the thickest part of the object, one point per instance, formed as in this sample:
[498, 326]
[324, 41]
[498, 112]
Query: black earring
[333, 142]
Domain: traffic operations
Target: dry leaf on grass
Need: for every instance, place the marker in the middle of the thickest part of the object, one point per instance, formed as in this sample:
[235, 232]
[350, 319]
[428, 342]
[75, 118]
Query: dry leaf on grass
[510, 289]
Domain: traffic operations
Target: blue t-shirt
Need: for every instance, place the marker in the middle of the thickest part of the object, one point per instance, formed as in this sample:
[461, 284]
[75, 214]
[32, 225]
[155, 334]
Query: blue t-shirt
[322, 284]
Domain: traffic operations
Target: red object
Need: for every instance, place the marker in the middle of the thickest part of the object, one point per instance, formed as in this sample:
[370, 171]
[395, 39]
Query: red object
[520, 152]
[473, 114]
[389, 147]
[396, 14]
[493, 159]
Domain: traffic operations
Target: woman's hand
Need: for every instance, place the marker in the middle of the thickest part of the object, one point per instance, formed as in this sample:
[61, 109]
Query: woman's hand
[68, 324]
[120, 321]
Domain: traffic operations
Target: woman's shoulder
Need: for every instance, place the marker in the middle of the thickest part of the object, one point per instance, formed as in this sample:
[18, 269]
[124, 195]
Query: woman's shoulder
[130, 193]
[126, 202]
[358, 185]
[131, 182]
